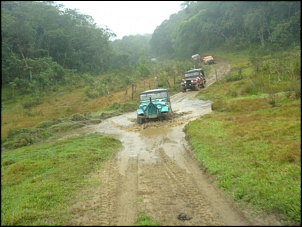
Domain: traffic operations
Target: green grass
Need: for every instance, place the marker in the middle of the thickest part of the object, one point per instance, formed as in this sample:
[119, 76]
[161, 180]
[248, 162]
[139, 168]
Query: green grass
[55, 128]
[253, 147]
[145, 220]
[38, 182]
[251, 142]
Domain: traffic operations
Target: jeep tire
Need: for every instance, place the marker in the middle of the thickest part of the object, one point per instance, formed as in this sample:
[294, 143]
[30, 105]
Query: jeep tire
[140, 120]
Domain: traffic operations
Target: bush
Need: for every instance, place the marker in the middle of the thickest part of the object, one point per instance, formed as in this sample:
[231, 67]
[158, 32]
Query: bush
[66, 126]
[90, 92]
[45, 124]
[234, 77]
[219, 105]
[232, 93]
[78, 117]
[249, 89]
[31, 103]
[115, 106]
[21, 140]
[128, 107]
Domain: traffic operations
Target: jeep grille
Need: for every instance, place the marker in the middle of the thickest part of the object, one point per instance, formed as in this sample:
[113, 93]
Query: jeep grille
[188, 82]
[151, 110]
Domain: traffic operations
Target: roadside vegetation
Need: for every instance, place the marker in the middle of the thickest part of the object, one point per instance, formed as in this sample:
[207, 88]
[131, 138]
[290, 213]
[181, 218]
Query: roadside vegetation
[39, 182]
[251, 142]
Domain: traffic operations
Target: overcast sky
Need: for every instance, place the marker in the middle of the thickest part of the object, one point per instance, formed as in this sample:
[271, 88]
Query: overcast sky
[126, 17]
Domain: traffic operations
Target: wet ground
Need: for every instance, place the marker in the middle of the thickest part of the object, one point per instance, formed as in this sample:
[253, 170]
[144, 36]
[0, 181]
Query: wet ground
[155, 173]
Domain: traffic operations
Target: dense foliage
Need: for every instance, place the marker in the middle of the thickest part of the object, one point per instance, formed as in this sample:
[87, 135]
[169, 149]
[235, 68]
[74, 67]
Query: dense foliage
[45, 45]
[40, 41]
[202, 26]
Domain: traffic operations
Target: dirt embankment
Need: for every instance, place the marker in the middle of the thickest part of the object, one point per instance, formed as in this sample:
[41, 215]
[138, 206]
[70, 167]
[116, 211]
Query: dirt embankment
[156, 174]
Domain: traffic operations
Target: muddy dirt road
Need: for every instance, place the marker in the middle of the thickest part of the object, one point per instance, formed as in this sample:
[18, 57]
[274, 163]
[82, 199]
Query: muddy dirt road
[156, 174]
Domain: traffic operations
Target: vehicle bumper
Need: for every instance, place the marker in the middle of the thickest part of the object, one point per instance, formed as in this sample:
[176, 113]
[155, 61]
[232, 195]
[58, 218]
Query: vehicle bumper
[188, 86]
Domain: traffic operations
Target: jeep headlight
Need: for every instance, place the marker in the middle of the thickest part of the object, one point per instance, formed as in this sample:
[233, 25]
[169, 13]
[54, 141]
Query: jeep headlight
[158, 106]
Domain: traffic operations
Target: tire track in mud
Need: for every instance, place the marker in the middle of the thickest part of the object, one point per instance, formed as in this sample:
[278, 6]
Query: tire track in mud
[176, 192]
[100, 209]
[155, 174]
[113, 203]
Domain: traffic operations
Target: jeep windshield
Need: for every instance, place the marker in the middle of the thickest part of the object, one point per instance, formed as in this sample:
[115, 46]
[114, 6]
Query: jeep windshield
[192, 73]
[154, 95]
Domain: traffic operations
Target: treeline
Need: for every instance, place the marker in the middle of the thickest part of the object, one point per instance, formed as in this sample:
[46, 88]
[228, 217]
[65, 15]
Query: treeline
[40, 40]
[235, 25]
[45, 45]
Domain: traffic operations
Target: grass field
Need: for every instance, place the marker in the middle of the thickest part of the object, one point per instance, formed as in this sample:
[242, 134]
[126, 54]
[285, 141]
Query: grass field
[253, 149]
[39, 182]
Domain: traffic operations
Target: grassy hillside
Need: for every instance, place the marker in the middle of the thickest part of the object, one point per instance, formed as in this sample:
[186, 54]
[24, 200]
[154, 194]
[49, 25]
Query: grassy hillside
[251, 142]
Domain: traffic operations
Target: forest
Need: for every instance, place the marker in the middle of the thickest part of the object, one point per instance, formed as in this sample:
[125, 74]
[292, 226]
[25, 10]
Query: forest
[45, 45]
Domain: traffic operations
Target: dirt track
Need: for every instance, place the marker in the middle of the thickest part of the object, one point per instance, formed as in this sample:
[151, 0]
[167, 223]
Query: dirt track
[156, 174]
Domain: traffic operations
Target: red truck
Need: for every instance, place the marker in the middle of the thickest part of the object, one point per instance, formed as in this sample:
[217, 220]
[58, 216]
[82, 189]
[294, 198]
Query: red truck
[194, 79]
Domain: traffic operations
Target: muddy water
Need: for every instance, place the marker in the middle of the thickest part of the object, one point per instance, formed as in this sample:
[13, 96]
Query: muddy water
[142, 141]
[155, 166]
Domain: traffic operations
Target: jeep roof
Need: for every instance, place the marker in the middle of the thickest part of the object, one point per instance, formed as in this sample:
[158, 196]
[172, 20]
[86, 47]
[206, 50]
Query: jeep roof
[155, 90]
[208, 57]
[195, 70]
[155, 94]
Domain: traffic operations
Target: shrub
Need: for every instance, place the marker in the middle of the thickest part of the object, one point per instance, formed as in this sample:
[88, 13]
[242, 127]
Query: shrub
[127, 107]
[232, 93]
[45, 124]
[66, 126]
[21, 140]
[115, 106]
[30, 103]
[78, 117]
[234, 77]
[219, 105]
[249, 89]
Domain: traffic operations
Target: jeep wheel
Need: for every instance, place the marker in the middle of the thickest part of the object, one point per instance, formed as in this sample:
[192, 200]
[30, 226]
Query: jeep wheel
[184, 90]
[170, 114]
[140, 120]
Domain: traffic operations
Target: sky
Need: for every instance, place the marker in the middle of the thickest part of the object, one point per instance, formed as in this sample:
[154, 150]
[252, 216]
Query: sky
[126, 18]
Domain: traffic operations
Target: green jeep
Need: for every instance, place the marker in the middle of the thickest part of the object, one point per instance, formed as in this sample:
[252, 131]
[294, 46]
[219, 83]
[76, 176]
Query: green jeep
[154, 104]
